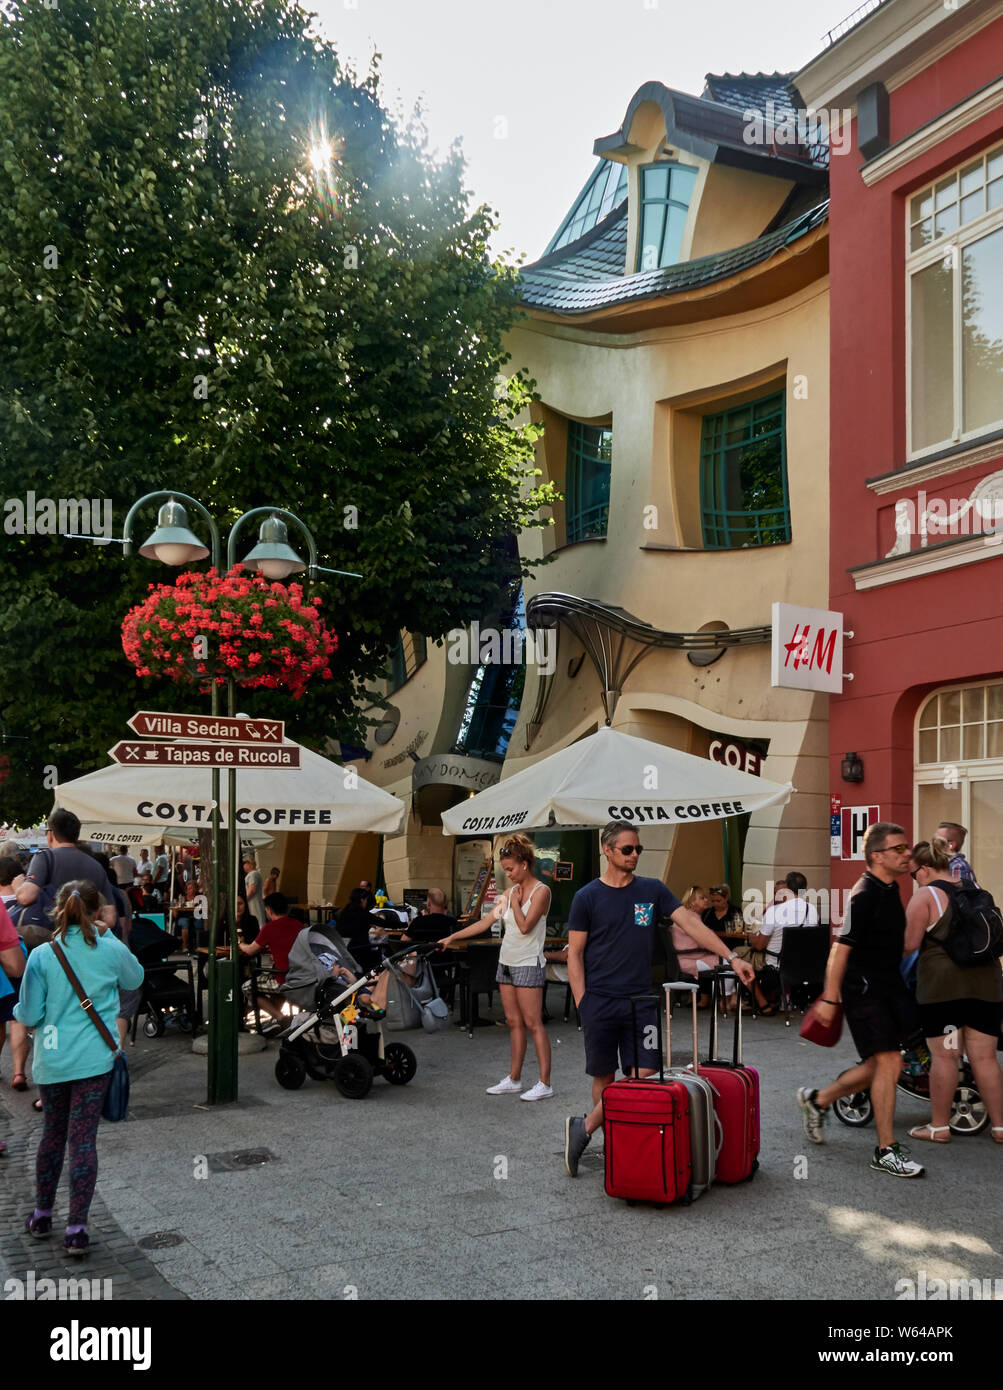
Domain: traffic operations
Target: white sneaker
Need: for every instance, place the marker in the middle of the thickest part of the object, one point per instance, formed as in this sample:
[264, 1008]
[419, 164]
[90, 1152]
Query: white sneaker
[538, 1092]
[505, 1087]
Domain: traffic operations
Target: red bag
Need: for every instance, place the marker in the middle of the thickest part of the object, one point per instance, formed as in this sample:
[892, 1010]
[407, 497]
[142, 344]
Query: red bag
[647, 1128]
[736, 1101]
[824, 1034]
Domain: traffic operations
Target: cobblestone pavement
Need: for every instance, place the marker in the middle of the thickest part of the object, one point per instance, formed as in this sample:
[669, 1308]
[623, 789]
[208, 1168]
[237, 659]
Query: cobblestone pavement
[114, 1255]
[437, 1190]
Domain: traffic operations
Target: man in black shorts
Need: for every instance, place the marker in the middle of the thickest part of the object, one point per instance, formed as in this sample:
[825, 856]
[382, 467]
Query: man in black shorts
[611, 937]
[863, 972]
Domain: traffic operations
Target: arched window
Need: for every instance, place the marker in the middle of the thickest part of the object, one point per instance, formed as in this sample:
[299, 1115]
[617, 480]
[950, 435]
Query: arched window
[959, 772]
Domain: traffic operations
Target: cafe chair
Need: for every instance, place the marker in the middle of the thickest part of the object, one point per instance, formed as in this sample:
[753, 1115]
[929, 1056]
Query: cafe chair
[804, 953]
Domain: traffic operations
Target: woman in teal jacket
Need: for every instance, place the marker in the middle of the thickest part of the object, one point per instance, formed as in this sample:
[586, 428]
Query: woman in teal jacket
[72, 1062]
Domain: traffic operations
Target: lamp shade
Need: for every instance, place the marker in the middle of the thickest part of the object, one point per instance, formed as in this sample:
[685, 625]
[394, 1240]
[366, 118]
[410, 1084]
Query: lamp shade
[172, 543]
[273, 556]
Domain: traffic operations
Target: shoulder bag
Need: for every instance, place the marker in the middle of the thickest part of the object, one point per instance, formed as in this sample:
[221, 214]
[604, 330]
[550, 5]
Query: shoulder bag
[116, 1101]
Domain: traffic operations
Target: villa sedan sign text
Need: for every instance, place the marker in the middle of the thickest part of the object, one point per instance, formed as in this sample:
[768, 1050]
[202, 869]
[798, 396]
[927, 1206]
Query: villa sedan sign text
[807, 648]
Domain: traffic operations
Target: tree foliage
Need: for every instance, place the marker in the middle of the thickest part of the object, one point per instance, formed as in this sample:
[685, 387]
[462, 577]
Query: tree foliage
[189, 300]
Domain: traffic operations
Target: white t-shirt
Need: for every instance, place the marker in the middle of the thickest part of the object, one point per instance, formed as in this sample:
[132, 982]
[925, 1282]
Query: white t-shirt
[519, 948]
[793, 912]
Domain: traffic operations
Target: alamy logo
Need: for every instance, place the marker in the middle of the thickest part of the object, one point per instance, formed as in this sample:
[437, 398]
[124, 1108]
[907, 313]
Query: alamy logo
[511, 647]
[785, 126]
[30, 1289]
[925, 1290]
[76, 1343]
[59, 516]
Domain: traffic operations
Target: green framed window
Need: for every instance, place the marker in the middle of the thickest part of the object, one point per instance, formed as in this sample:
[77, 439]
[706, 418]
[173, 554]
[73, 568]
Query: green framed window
[743, 476]
[587, 477]
[666, 190]
[405, 658]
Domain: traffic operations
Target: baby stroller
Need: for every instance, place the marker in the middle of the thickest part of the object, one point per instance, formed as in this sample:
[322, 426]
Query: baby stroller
[166, 995]
[968, 1110]
[341, 1041]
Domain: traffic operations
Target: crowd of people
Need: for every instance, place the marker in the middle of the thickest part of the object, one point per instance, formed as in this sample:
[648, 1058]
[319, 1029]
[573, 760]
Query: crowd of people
[85, 902]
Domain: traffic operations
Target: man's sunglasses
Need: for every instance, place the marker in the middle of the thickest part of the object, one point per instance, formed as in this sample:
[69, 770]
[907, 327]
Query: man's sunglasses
[895, 849]
[630, 849]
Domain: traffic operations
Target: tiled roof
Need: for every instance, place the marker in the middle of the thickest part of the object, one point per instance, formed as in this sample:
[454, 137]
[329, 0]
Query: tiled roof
[587, 275]
[747, 91]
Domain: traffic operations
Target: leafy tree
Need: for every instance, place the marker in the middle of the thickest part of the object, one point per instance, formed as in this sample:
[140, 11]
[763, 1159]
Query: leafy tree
[223, 269]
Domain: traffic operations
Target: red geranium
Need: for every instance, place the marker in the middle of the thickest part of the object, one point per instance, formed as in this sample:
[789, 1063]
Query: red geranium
[208, 628]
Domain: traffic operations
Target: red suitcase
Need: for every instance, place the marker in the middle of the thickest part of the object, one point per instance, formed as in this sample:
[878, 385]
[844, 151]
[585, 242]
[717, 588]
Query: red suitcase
[647, 1128]
[736, 1100]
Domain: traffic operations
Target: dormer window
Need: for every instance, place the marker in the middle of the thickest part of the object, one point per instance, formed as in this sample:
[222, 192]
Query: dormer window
[605, 190]
[666, 190]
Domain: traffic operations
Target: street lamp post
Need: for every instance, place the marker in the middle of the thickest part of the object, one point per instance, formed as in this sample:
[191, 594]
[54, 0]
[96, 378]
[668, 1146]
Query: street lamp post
[174, 544]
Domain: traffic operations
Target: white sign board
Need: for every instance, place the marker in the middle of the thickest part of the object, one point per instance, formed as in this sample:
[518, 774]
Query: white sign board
[855, 821]
[807, 648]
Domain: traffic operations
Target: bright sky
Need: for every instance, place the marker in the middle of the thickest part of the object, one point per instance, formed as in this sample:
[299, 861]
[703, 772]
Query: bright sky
[501, 75]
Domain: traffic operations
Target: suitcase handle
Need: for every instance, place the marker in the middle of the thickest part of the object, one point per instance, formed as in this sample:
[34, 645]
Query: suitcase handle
[646, 999]
[717, 975]
[693, 991]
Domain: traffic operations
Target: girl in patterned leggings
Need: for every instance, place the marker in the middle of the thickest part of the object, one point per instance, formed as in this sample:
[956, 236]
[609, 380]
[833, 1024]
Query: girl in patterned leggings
[72, 1063]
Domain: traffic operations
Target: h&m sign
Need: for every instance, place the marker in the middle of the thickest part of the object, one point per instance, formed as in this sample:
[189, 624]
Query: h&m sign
[807, 652]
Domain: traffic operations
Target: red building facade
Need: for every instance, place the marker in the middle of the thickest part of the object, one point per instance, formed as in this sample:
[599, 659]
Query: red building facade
[916, 451]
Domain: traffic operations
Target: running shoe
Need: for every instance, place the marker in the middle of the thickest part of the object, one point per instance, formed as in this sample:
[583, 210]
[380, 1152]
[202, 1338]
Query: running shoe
[538, 1092]
[813, 1116]
[892, 1160]
[505, 1087]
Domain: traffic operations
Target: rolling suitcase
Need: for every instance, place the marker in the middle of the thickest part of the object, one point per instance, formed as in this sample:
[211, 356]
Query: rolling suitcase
[647, 1127]
[736, 1100]
[703, 1143]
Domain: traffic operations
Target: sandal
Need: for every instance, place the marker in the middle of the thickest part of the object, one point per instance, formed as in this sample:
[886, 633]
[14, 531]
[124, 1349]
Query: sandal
[19, 1082]
[927, 1132]
[768, 1012]
[997, 1129]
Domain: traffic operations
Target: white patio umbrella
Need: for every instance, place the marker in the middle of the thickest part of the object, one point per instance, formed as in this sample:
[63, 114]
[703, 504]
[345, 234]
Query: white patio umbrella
[318, 795]
[614, 776]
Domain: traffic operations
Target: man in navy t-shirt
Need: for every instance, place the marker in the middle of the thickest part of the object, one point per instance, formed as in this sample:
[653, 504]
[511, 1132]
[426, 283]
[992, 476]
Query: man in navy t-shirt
[611, 937]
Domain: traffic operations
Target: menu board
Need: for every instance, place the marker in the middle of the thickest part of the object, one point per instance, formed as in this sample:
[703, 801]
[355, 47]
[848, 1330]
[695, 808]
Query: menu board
[477, 890]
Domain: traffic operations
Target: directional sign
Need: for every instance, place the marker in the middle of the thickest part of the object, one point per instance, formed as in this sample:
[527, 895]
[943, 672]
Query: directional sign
[218, 728]
[241, 755]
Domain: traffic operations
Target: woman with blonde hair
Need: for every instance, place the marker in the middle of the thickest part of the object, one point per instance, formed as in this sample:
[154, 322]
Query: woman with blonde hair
[960, 1006]
[522, 969]
[693, 959]
[72, 1066]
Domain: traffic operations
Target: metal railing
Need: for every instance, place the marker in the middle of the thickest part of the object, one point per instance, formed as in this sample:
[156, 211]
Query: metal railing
[851, 20]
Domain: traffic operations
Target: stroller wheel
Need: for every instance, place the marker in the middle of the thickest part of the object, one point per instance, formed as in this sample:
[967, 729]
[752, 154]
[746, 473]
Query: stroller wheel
[353, 1076]
[854, 1110]
[290, 1072]
[399, 1063]
[154, 1027]
[968, 1113]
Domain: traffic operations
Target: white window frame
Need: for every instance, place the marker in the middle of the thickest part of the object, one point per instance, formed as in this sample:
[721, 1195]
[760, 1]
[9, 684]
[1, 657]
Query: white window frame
[949, 245]
[967, 770]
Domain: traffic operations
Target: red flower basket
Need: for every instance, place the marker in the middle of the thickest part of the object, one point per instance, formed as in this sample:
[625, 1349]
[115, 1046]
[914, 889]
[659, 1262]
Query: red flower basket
[208, 628]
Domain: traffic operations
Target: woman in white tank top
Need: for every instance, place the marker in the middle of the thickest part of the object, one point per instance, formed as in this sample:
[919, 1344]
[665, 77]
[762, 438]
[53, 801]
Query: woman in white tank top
[521, 965]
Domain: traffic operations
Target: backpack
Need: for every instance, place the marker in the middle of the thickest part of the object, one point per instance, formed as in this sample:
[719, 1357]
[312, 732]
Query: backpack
[34, 922]
[975, 931]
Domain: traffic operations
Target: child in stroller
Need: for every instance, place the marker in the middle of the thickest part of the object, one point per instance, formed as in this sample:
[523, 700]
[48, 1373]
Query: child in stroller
[339, 1038]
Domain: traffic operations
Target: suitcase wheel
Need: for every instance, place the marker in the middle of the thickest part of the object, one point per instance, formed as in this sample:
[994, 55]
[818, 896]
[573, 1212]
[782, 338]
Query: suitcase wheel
[752, 1171]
